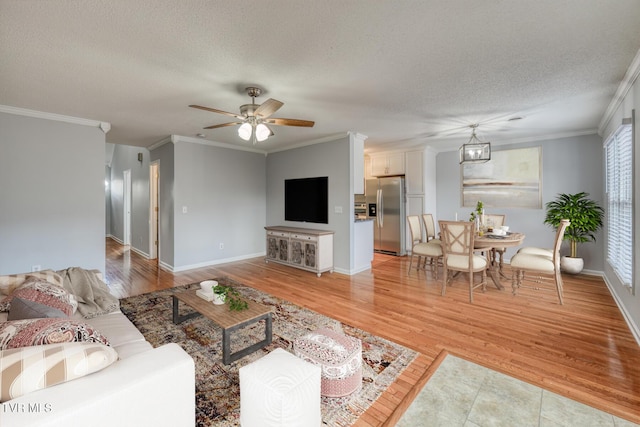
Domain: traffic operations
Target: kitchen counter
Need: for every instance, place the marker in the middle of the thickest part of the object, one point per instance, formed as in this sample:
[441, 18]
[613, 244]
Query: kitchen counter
[363, 245]
[363, 219]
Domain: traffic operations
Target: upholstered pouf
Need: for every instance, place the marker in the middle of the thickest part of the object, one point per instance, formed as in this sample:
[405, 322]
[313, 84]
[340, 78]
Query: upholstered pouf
[340, 357]
[280, 389]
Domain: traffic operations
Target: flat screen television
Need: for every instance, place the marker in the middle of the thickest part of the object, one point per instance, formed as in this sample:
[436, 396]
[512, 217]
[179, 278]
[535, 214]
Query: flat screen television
[307, 200]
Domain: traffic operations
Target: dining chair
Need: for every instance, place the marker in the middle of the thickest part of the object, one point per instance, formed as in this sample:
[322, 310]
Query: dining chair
[429, 227]
[457, 248]
[430, 250]
[541, 263]
[494, 221]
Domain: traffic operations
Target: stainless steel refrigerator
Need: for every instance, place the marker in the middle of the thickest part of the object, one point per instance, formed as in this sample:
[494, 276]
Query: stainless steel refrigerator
[385, 200]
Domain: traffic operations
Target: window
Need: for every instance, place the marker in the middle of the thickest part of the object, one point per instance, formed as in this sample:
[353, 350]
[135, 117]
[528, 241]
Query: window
[619, 187]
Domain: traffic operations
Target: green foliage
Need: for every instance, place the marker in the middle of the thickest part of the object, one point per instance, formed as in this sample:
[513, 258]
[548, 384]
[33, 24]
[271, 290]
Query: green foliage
[232, 297]
[478, 212]
[585, 216]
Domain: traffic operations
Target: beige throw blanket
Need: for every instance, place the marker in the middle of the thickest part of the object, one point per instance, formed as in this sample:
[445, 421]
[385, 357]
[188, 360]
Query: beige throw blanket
[92, 293]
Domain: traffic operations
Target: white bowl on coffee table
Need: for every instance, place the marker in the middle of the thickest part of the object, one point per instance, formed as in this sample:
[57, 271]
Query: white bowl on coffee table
[207, 285]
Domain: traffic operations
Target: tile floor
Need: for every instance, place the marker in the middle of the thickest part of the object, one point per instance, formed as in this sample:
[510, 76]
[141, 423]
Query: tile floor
[464, 394]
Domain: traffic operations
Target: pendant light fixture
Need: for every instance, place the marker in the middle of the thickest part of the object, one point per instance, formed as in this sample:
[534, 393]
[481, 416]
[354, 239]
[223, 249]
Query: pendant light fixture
[475, 151]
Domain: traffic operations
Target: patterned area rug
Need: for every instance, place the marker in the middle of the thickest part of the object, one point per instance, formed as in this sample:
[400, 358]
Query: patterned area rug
[217, 385]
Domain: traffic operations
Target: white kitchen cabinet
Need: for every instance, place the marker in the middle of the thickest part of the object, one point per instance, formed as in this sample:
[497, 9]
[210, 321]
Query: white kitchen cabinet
[387, 164]
[414, 176]
[303, 248]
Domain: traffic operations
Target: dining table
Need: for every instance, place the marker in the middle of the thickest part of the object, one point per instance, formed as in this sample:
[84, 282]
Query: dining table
[488, 241]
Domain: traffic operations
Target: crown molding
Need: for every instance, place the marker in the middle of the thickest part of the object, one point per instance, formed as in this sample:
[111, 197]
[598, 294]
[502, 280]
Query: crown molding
[329, 138]
[104, 126]
[179, 138]
[625, 86]
[160, 143]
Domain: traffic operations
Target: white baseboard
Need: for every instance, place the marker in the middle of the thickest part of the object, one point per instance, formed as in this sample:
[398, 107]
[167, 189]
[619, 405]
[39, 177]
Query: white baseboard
[635, 330]
[131, 247]
[216, 262]
[352, 272]
[139, 252]
[112, 237]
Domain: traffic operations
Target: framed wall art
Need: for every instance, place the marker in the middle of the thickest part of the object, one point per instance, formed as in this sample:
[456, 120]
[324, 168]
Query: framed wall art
[511, 179]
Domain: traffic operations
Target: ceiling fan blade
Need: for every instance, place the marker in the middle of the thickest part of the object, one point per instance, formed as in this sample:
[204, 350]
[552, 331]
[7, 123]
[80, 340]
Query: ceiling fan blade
[223, 125]
[267, 108]
[290, 122]
[213, 110]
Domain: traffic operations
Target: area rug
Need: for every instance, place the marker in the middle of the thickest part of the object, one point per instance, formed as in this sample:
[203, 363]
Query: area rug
[217, 385]
[461, 393]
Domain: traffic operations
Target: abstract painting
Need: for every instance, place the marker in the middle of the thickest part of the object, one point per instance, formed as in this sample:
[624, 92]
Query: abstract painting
[511, 179]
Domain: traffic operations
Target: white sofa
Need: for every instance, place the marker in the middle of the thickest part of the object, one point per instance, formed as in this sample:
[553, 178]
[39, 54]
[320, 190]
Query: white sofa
[146, 386]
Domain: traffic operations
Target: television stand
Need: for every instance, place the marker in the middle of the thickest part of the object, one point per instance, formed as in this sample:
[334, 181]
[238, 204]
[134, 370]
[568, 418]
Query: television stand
[303, 248]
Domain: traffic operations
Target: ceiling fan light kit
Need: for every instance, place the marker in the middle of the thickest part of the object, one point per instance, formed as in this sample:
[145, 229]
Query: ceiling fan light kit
[254, 118]
[244, 131]
[262, 132]
[475, 151]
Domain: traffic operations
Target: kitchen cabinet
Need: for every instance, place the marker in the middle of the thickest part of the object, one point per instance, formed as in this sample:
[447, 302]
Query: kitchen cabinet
[414, 176]
[303, 248]
[387, 164]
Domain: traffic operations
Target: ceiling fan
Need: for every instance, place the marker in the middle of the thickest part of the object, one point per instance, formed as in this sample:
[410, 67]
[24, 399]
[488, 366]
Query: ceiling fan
[254, 118]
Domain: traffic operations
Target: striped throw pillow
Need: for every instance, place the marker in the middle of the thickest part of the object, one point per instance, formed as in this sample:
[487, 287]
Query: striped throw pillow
[24, 370]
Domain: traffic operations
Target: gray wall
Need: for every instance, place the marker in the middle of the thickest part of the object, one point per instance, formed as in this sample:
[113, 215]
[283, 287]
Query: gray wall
[569, 165]
[126, 158]
[330, 159]
[224, 193]
[52, 196]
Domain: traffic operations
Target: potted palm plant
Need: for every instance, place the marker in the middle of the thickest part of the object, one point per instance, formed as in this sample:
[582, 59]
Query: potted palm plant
[586, 218]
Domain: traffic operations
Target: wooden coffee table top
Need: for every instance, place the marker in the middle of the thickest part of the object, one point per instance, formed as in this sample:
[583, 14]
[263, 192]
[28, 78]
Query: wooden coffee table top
[221, 314]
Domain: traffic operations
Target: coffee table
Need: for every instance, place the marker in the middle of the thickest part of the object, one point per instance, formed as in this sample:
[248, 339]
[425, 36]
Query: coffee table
[228, 320]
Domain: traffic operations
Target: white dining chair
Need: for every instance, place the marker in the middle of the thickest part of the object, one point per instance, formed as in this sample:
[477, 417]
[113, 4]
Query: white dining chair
[429, 228]
[430, 250]
[458, 255]
[543, 264]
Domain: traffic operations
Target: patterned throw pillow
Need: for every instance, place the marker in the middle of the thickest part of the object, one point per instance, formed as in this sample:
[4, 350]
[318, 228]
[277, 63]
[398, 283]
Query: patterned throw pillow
[25, 309]
[23, 370]
[28, 332]
[39, 290]
[11, 282]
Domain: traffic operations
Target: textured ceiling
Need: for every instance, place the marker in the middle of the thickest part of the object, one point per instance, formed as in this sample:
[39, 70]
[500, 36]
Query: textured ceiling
[404, 73]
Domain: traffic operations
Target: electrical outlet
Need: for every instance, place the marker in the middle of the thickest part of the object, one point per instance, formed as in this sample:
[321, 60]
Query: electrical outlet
[184, 209]
[35, 268]
[221, 245]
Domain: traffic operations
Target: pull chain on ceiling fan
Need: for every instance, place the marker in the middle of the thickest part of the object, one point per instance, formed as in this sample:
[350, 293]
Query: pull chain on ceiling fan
[254, 118]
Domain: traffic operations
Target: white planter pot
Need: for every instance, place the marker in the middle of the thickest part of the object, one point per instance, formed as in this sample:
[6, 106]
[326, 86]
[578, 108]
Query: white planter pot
[571, 265]
[218, 299]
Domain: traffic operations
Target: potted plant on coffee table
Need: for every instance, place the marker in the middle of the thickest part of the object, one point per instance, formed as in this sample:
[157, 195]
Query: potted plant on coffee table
[586, 218]
[226, 294]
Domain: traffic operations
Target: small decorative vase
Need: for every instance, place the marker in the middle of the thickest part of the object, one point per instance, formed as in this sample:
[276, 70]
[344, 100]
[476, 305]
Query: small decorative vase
[218, 299]
[571, 265]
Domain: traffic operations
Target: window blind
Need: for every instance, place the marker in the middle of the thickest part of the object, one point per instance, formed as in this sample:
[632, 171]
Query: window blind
[619, 180]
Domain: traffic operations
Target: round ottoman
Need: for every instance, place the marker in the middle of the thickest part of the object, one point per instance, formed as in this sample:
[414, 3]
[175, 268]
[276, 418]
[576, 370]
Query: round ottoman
[340, 358]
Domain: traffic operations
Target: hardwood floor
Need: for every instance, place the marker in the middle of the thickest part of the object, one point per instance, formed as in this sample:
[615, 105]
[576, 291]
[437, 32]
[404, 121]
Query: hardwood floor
[583, 350]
